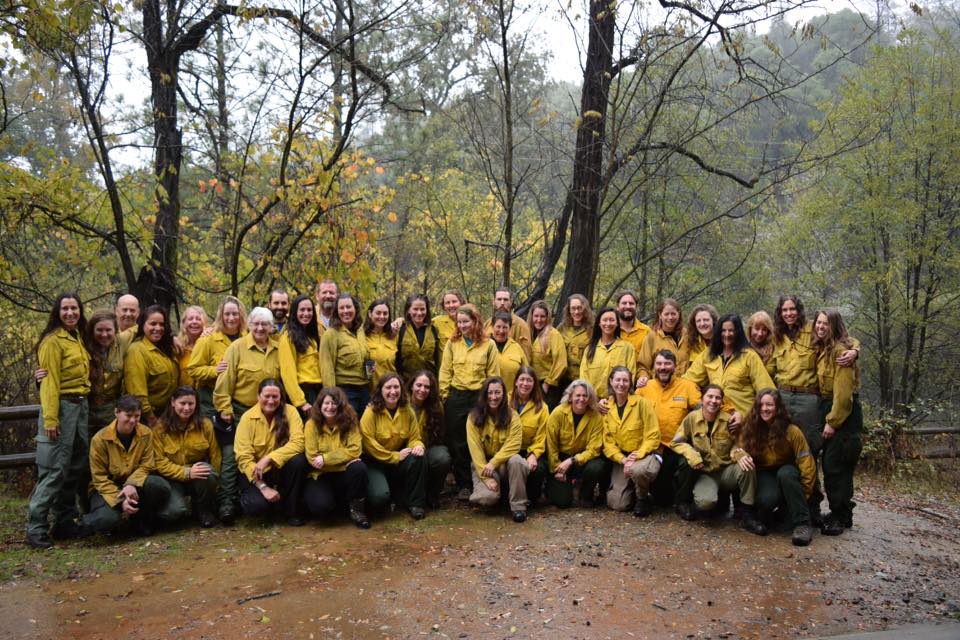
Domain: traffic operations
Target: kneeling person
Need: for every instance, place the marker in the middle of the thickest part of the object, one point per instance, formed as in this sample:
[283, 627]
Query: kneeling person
[704, 441]
[121, 459]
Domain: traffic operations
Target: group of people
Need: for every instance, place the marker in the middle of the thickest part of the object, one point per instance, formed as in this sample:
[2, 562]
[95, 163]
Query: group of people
[313, 408]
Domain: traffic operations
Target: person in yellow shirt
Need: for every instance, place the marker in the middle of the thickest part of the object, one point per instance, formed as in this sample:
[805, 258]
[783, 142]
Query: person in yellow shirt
[549, 357]
[381, 340]
[279, 304]
[698, 334]
[418, 341]
[672, 398]
[424, 393]
[338, 477]
[667, 334]
[631, 329]
[269, 452]
[187, 456]
[128, 313]
[575, 329]
[62, 436]
[842, 418]
[468, 359]
[249, 361]
[393, 450]
[121, 463]
[777, 450]
[574, 444]
[150, 369]
[606, 351]
[494, 436]
[631, 440]
[106, 368]
[528, 403]
[192, 326]
[206, 360]
[519, 331]
[760, 334]
[344, 361]
[299, 350]
[512, 356]
[327, 294]
[704, 441]
[446, 323]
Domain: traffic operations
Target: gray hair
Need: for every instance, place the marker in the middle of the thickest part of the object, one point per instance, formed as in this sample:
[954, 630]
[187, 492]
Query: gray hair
[260, 313]
[593, 403]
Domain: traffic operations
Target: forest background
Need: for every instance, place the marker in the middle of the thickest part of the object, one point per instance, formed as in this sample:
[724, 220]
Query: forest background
[722, 152]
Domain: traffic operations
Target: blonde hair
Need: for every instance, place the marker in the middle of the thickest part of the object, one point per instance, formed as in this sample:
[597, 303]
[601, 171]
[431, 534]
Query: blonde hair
[545, 334]
[182, 341]
[593, 402]
[218, 319]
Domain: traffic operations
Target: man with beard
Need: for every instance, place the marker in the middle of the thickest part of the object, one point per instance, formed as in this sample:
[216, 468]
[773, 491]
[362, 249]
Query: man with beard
[631, 329]
[279, 304]
[672, 398]
[519, 330]
[327, 293]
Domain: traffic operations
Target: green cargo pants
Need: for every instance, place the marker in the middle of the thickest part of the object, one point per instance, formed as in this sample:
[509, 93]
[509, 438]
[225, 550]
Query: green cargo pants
[840, 456]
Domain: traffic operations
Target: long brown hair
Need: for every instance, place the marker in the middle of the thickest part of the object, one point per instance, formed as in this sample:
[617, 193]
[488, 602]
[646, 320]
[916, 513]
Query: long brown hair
[756, 434]
[837, 335]
[281, 426]
[587, 312]
[536, 394]
[690, 331]
[677, 330]
[346, 419]
[377, 403]
[97, 355]
[780, 328]
[543, 336]
[480, 411]
[170, 421]
[434, 427]
[478, 335]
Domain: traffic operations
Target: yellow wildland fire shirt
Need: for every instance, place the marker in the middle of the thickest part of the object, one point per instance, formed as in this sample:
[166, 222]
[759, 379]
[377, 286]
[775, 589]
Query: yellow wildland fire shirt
[255, 439]
[489, 444]
[247, 366]
[637, 430]
[583, 441]
[298, 368]
[150, 375]
[112, 466]
[68, 372]
[384, 435]
[174, 452]
[597, 370]
[336, 448]
[466, 367]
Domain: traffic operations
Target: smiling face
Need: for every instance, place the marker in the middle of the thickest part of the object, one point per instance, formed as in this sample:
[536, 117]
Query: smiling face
[279, 305]
[669, 317]
[524, 386]
[260, 330]
[269, 399]
[184, 406]
[502, 301]
[346, 311]
[380, 316]
[194, 323]
[608, 325]
[728, 334]
[418, 312]
[759, 334]
[712, 399]
[327, 296]
[494, 395]
[539, 318]
[304, 312]
[789, 313]
[464, 324]
[620, 381]
[231, 318]
[821, 326]
[501, 330]
[768, 408]
[104, 332]
[328, 409]
[154, 327]
[126, 421]
[69, 313]
[664, 368]
[420, 390]
[627, 307]
[391, 393]
[451, 303]
[128, 311]
[579, 400]
[576, 311]
[704, 322]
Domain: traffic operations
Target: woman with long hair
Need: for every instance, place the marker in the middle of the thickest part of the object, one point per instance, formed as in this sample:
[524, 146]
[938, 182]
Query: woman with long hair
[333, 446]
[299, 347]
[549, 352]
[512, 355]
[468, 359]
[575, 328]
[106, 367]
[269, 452]
[206, 360]
[446, 322]
[698, 334]
[842, 418]
[666, 334]
[770, 443]
[760, 335]
[192, 326]
[62, 436]
[574, 443]
[606, 351]
[528, 403]
[494, 436]
[393, 450]
[344, 361]
[424, 393]
[631, 438]
[381, 340]
[150, 369]
[418, 341]
[187, 456]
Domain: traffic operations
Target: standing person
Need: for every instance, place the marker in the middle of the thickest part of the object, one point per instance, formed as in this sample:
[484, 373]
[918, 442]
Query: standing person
[672, 398]
[206, 361]
[667, 334]
[705, 442]
[631, 329]
[631, 438]
[299, 348]
[777, 450]
[494, 436]
[697, 335]
[512, 355]
[121, 462]
[418, 341]
[191, 328]
[269, 451]
[344, 361]
[187, 456]
[424, 393]
[549, 358]
[606, 351]
[150, 369]
[574, 443]
[249, 361]
[338, 476]
[760, 334]
[468, 359]
[528, 403]
[128, 313]
[393, 450]
[279, 305]
[327, 294]
[62, 436]
[381, 340]
[575, 329]
[842, 420]
[446, 323]
[732, 364]
[519, 331]
[106, 369]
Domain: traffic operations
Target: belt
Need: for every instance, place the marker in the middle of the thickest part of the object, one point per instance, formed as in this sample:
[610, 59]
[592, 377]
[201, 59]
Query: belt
[75, 398]
[811, 390]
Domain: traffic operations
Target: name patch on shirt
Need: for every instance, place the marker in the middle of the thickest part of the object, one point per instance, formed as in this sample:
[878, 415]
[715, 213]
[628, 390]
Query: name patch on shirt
[679, 399]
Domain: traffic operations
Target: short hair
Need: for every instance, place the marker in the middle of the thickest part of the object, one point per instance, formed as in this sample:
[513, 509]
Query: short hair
[666, 353]
[282, 292]
[713, 386]
[260, 313]
[129, 404]
[628, 292]
[503, 317]
[505, 290]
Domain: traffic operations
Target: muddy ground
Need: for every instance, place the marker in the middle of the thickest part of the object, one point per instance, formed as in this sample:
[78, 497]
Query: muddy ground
[466, 574]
